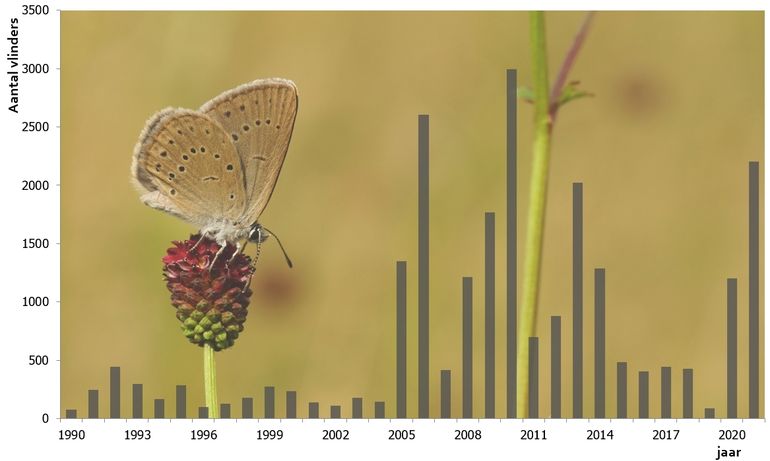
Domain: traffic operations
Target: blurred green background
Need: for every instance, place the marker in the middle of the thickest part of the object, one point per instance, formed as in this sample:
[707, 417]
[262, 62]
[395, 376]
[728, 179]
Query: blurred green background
[662, 150]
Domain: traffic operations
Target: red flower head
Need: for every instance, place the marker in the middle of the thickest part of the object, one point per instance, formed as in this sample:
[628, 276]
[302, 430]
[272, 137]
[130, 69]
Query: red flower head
[210, 300]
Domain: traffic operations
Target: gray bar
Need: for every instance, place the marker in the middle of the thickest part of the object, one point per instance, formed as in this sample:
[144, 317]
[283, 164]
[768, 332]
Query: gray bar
[93, 403]
[137, 398]
[224, 410]
[401, 339]
[379, 410]
[203, 412]
[358, 407]
[644, 394]
[511, 237]
[687, 392]
[708, 413]
[247, 408]
[467, 347]
[555, 366]
[269, 402]
[577, 300]
[446, 394]
[70, 413]
[291, 404]
[181, 401]
[423, 212]
[160, 408]
[335, 412]
[489, 315]
[533, 377]
[622, 392]
[312, 410]
[599, 344]
[665, 392]
[114, 392]
[753, 289]
[732, 348]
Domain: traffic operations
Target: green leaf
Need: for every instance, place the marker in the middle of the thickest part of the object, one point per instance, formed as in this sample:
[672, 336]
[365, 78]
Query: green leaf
[525, 93]
[571, 92]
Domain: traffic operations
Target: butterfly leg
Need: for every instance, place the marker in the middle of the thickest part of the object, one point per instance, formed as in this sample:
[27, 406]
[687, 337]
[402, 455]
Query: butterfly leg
[222, 246]
[203, 236]
[238, 249]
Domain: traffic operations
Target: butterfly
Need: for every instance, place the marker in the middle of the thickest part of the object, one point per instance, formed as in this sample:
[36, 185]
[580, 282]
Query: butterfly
[216, 167]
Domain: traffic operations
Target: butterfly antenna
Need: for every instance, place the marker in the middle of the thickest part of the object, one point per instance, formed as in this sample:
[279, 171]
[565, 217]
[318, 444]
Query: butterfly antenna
[285, 255]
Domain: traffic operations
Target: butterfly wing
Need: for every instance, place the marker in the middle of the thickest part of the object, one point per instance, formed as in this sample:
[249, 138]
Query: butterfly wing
[259, 117]
[186, 164]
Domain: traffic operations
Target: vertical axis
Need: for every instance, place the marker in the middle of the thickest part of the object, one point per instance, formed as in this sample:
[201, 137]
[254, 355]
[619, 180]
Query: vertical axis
[533, 377]
[622, 392]
[732, 348]
[401, 339]
[599, 344]
[665, 392]
[511, 237]
[753, 289]
[467, 347]
[577, 300]
[555, 366]
[423, 204]
[687, 392]
[489, 315]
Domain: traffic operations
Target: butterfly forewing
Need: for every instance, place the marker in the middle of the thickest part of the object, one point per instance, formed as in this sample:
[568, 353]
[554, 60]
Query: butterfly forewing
[259, 118]
[187, 165]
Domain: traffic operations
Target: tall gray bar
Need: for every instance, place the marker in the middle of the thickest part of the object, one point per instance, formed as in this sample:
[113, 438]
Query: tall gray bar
[753, 289]
[533, 378]
[687, 392]
[114, 392]
[622, 390]
[137, 401]
[181, 401]
[555, 366]
[577, 300]
[732, 348]
[291, 404]
[467, 347]
[358, 407]
[93, 403]
[423, 254]
[489, 315]
[599, 344]
[446, 394]
[665, 392]
[644, 394]
[269, 402]
[247, 408]
[511, 236]
[401, 339]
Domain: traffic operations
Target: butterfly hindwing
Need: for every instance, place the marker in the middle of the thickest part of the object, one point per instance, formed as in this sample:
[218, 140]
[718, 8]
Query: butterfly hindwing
[186, 165]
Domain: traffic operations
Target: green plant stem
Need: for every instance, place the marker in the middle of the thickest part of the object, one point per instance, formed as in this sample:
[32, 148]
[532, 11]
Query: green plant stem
[210, 381]
[536, 214]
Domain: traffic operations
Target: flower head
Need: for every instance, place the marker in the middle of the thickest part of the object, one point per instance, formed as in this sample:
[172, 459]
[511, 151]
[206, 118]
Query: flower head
[210, 300]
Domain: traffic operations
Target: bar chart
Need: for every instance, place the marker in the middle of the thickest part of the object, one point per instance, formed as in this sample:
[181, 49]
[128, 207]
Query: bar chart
[656, 382]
